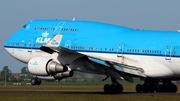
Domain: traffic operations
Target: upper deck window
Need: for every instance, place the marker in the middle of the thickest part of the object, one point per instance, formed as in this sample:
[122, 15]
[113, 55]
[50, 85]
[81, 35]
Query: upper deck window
[43, 28]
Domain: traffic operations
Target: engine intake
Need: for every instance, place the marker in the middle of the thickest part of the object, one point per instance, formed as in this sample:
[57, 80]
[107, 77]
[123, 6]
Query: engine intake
[45, 66]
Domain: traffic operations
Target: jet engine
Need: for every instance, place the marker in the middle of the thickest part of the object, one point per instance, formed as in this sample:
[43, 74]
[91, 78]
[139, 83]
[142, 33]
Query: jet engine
[58, 76]
[44, 66]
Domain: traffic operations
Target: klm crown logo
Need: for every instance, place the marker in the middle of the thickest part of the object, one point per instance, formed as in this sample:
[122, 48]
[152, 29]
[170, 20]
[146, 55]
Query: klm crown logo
[35, 63]
[45, 34]
[54, 42]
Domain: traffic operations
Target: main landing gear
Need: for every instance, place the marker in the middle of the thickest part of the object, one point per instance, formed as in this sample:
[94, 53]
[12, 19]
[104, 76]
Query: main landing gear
[35, 81]
[113, 88]
[150, 86]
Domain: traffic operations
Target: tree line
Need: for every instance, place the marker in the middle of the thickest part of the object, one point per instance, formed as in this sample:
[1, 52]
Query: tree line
[8, 76]
[24, 75]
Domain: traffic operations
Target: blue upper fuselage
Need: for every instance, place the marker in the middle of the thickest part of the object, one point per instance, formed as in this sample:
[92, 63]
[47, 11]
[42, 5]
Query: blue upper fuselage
[86, 36]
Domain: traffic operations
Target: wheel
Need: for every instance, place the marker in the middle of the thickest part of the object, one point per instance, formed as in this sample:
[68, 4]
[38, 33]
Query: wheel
[172, 88]
[33, 81]
[175, 88]
[162, 88]
[145, 88]
[119, 88]
[113, 88]
[106, 88]
[159, 89]
[151, 88]
[38, 82]
[138, 88]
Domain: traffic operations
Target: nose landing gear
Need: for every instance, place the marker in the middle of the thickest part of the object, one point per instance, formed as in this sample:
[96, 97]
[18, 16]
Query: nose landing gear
[35, 81]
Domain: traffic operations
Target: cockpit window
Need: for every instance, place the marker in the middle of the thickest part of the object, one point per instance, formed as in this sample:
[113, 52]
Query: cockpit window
[24, 26]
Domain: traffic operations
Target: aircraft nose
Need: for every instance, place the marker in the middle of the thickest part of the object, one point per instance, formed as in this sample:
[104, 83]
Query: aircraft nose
[6, 47]
[10, 51]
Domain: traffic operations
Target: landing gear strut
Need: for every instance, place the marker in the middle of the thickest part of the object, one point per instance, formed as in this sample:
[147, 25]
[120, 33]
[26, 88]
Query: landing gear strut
[152, 85]
[35, 81]
[113, 88]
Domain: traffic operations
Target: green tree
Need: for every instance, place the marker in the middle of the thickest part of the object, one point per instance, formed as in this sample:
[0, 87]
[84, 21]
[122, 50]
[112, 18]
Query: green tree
[25, 75]
[5, 73]
[24, 70]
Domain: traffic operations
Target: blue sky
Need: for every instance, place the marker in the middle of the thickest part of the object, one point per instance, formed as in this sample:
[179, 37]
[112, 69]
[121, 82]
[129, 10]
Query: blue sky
[138, 14]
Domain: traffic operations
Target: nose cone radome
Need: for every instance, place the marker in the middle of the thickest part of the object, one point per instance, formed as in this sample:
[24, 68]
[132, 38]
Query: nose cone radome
[13, 45]
[6, 46]
[9, 50]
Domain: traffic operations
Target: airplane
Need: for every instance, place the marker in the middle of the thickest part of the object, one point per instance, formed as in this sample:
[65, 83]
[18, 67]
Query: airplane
[55, 49]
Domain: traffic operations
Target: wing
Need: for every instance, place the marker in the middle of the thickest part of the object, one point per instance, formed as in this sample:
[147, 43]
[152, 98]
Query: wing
[90, 63]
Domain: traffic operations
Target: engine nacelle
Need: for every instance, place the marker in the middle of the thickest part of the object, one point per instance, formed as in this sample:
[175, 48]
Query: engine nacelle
[58, 76]
[45, 66]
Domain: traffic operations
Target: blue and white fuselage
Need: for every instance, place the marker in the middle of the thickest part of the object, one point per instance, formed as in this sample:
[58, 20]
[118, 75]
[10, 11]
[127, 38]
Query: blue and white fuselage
[99, 48]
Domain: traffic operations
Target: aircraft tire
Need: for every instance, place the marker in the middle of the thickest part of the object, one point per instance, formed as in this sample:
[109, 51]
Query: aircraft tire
[151, 89]
[138, 88]
[33, 81]
[145, 88]
[172, 88]
[106, 88]
[38, 82]
[113, 88]
[119, 88]
[167, 88]
[161, 89]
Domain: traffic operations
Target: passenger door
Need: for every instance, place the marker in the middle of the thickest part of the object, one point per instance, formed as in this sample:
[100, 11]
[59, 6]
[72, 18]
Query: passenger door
[168, 52]
[30, 45]
[120, 49]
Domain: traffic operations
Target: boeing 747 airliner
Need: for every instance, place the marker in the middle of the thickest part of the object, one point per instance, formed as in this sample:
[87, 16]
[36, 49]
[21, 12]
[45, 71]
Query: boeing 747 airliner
[54, 49]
